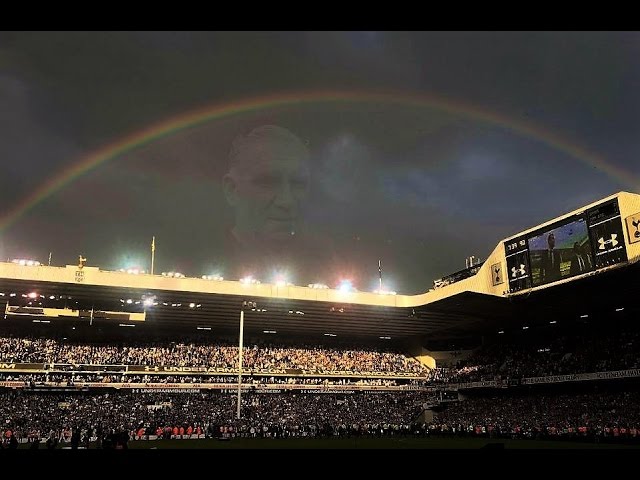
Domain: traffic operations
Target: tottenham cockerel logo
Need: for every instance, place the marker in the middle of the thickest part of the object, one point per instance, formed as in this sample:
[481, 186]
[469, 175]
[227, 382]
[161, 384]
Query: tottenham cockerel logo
[633, 227]
[515, 271]
[612, 241]
[496, 274]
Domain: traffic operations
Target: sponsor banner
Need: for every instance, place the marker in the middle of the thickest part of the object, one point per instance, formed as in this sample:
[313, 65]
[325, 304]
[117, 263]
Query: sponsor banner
[224, 387]
[262, 372]
[11, 384]
[21, 366]
[148, 389]
[269, 388]
[631, 373]
[551, 379]
[327, 391]
[608, 242]
[354, 373]
[204, 370]
[483, 384]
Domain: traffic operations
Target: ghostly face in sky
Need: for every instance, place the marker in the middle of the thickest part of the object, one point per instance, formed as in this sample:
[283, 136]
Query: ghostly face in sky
[267, 183]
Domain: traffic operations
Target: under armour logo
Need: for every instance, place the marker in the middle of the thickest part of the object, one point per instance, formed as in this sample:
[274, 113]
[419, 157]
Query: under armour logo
[515, 271]
[612, 241]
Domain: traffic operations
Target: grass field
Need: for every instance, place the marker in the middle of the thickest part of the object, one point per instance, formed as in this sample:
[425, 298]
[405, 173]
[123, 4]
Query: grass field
[367, 443]
[359, 443]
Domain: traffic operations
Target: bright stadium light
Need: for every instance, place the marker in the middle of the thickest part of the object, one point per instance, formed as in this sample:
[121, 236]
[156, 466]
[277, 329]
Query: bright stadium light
[281, 279]
[330, 335]
[26, 262]
[132, 271]
[619, 309]
[192, 305]
[173, 274]
[215, 277]
[385, 338]
[249, 280]
[148, 302]
[269, 331]
[584, 316]
[32, 295]
[553, 322]
[346, 286]
[129, 301]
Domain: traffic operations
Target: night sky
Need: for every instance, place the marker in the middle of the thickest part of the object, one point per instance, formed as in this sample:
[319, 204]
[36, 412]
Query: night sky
[421, 182]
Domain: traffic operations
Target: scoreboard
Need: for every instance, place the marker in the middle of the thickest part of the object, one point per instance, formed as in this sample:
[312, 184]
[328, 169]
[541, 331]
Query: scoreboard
[518, 266]
[585, 242]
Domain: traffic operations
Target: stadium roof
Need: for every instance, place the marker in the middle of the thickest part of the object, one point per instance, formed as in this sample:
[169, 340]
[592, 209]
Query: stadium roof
[479, 303]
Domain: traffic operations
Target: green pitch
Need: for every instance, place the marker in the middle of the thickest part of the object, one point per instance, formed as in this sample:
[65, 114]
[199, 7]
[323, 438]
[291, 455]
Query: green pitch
[365, 443]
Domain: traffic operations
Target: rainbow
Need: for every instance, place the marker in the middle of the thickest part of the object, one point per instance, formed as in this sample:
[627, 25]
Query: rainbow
[218, 111]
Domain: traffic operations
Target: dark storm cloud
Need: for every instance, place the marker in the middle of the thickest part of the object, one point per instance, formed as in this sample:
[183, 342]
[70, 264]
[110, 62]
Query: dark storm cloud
[30, 151]
[420, 188]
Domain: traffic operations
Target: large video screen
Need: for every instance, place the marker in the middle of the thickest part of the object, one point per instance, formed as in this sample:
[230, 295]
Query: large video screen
[560, 252]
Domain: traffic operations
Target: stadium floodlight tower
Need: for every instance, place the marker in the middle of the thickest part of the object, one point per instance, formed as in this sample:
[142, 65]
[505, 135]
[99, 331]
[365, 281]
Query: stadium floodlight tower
[245, 304]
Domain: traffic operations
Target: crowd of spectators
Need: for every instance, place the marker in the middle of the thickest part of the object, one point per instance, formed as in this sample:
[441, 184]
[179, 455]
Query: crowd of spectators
[594, 415]
[28, 350]
[30, 415]
[560, 355]
[58, 417]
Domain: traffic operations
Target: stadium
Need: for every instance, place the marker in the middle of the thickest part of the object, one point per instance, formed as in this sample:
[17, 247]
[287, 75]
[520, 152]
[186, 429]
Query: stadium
[536, 347]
